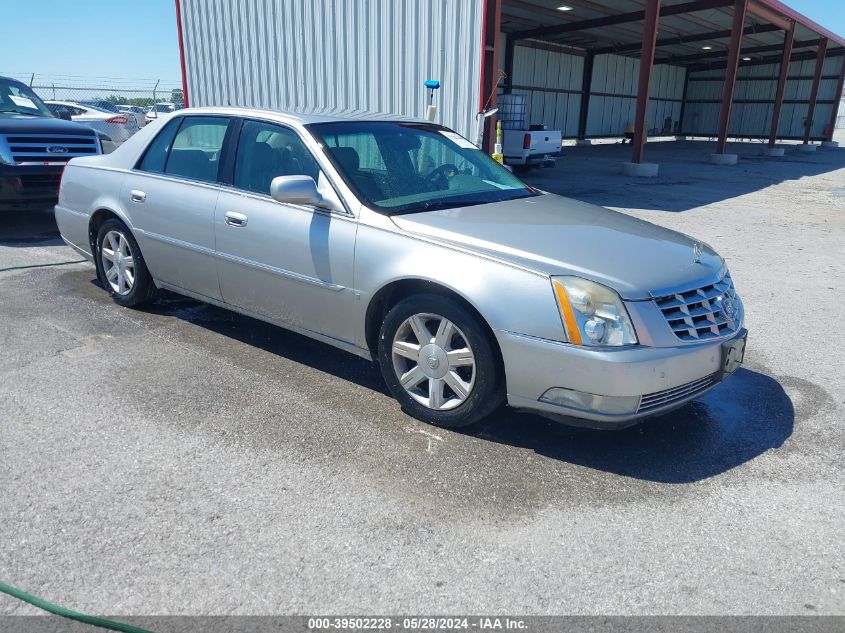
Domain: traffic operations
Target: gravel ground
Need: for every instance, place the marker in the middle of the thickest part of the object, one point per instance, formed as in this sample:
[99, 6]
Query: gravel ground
[187, 460]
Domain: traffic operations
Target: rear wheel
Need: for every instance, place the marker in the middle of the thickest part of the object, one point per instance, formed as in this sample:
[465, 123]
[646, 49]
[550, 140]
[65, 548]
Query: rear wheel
[121, 267]
[439, 362]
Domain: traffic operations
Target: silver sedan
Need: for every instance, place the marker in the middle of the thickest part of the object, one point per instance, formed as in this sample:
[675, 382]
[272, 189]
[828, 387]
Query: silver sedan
[118, 126]
[398, 240]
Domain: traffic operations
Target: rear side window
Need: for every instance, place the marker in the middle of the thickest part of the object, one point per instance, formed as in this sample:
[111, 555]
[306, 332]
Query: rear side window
[196, 149]
[156, 154]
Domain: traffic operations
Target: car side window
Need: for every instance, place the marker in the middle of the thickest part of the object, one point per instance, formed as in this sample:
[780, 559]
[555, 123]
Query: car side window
[156, 155]
[195, 151]
[266, 151]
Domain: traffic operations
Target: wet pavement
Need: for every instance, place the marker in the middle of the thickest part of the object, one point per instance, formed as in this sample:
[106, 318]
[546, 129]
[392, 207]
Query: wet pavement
[185, 459]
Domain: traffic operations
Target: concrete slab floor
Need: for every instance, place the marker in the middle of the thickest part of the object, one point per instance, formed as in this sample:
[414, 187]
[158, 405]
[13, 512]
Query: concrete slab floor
[187, 460]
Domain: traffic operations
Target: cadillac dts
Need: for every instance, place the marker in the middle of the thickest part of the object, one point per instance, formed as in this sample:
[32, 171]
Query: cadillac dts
[400, 241]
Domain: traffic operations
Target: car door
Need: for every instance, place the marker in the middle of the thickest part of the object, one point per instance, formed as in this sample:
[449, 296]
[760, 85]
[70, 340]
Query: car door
[171, 196]
[288, 262]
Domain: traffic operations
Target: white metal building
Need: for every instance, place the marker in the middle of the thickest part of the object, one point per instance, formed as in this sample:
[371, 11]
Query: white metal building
[716, 66]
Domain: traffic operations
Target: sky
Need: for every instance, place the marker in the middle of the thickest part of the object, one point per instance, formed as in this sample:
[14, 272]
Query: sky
[129, 40]
[135, 40]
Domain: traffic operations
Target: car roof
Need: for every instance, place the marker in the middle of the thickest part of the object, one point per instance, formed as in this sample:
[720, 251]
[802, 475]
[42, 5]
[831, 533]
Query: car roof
[12, 80]
[318, 115]
[77, 104]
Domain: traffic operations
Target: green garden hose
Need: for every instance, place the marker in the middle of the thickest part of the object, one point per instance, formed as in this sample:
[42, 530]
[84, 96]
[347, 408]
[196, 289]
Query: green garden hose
[67, 613]
[28, 266]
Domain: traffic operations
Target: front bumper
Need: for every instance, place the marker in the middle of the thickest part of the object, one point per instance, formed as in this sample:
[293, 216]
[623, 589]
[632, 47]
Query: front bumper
[655, 379]
[29, 186]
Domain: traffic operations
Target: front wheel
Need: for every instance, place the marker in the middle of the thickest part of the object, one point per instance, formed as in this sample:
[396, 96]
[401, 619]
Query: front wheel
[121, 267]
[439, 362]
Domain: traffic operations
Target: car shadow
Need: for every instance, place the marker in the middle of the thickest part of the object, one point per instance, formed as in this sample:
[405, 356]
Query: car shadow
[270, 338]
[747, 415]
[26, 228]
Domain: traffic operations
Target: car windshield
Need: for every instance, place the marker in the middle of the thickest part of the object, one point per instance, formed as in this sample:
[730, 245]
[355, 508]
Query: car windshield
[16, 98]
[397, 167]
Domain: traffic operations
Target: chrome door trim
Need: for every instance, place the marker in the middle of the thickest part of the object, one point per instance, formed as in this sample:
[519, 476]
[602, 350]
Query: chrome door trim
[174, 242]
[345, 215]
[282, 272]
[342, 344]
[178, 179]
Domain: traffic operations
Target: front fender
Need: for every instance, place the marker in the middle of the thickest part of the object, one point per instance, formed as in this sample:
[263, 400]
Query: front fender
[509, 297]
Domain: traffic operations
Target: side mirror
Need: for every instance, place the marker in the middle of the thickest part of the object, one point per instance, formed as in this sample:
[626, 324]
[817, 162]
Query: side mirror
[64, 113]
[296, 190]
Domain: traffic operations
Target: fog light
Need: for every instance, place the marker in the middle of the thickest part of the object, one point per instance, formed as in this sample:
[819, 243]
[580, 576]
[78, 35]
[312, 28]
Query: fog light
[610, 405]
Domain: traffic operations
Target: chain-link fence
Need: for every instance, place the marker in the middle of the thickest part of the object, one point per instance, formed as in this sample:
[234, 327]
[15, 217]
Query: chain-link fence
[126, 91]
[132, 103]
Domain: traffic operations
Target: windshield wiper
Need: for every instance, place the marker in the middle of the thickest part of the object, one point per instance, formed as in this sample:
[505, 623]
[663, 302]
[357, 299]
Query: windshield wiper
[434, 205]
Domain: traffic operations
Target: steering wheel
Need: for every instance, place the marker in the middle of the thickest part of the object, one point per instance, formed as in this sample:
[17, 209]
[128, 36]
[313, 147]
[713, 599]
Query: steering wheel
[440, 174]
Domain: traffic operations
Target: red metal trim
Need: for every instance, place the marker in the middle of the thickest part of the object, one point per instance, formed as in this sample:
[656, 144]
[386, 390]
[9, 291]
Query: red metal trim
[490, 27]
[652, 17]
[837, 99]
[789, 40]
[772, 17]
[780, 7]
[814, 91]
[740, 8]
[182, 54]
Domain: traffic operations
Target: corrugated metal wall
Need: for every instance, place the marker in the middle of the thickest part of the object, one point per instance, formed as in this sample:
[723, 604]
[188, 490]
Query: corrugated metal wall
[613, 100]
[551, 83]
[344, 54]
[552, 80]
[751, 114]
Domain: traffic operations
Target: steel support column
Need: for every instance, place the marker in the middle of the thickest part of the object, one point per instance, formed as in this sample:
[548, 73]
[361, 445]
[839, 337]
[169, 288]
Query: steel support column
[740, 9]
[510, 47]
[683, 101]
[490, 28]
[788, 41]
[814, 91]
[652, 17]
[586, 87]
[836, 101]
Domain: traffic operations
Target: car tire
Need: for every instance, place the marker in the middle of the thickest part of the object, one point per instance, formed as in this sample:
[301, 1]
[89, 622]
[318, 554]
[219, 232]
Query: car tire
[446, 359]
[121, 267]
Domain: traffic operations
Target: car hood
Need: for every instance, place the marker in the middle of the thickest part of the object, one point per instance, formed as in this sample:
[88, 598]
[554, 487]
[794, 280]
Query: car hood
[561, 236]
[25, 124]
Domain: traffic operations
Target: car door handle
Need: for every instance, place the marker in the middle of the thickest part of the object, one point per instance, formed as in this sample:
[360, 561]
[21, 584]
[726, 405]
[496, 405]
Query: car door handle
[137, 196]
[233, 218]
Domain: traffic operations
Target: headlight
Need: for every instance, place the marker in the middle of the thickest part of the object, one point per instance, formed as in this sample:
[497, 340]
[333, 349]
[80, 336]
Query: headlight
[592, 314]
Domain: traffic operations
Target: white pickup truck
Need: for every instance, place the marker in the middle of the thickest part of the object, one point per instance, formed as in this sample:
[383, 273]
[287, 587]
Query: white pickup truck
[522, 148]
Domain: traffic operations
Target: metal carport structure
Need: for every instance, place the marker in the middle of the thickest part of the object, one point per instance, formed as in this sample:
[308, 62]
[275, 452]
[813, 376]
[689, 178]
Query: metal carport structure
[715, 68]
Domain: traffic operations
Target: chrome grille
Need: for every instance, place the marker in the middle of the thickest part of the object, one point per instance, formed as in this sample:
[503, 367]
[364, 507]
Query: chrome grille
[668, 396]
[34, 148]
[707, 312]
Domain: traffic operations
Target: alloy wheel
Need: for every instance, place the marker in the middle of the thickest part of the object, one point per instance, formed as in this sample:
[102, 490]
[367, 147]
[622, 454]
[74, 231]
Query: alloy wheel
[433, 361]
[118, 262]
